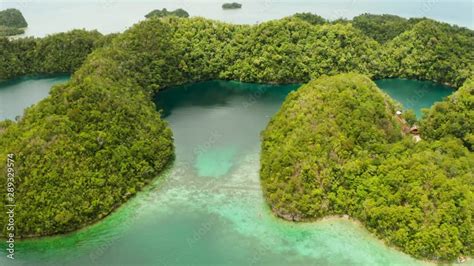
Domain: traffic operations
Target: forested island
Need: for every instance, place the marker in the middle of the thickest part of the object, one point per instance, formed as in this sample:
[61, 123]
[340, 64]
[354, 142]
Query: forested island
[58, 53]
[12, 22]
[336, 148]
[233, 5]
[97, 140]
[165, 13]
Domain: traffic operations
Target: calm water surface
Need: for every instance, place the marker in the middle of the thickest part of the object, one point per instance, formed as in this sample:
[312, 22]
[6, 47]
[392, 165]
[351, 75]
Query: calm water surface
[17, 94]
[415, 94]
[208, 208]
[52, 16]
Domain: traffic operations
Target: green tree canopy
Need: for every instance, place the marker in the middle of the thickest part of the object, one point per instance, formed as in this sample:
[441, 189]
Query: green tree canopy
[12, 18]
[382, 28]
[311, 18]
[453, 117]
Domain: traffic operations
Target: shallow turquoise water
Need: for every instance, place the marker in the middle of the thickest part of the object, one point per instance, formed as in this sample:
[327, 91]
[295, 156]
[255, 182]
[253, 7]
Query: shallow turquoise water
[208, 208]
[215, 162]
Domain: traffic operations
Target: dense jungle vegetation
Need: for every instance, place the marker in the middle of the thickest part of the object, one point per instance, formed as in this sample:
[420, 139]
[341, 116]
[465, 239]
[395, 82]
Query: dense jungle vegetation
[12, 22]
[58, 53]
[98, 139]
[6, 31]
[335, 148]
[453, 117]
[383, 28]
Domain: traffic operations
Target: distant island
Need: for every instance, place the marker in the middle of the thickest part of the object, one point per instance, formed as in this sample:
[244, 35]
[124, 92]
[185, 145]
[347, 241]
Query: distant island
[12, 22]
[165, 13]
[233, 5]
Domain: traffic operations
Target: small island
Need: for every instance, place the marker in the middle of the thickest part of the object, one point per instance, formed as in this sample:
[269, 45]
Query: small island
[165, 13]
[12, 22]
[233, 5]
